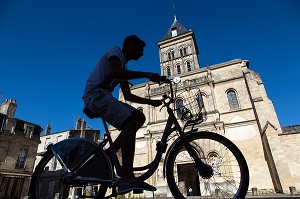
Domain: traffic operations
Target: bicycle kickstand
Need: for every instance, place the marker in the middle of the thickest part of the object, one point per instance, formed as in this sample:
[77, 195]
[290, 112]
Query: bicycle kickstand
[114, 184]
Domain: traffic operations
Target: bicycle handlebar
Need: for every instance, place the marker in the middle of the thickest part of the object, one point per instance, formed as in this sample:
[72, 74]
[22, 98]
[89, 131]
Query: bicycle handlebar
[166, 80]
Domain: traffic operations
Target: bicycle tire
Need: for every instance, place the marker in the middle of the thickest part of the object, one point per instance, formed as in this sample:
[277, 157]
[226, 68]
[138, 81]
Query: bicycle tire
[230, 178]
[47, 183]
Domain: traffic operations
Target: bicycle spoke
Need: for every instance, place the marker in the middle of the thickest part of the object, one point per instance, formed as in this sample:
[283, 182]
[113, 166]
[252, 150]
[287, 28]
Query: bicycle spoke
[226, 161]
[51, 179]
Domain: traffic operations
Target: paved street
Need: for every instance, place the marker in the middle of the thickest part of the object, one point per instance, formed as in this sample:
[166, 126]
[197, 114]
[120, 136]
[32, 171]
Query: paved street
[273, 196]
[277, 196]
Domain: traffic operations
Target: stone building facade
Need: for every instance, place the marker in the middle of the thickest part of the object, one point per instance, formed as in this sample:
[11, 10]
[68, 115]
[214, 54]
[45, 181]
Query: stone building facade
[237, 107]
[19, 140]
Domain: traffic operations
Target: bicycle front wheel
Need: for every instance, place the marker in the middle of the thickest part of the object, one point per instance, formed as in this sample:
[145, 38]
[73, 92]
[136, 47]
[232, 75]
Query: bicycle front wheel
[229, 176]
[51, 179]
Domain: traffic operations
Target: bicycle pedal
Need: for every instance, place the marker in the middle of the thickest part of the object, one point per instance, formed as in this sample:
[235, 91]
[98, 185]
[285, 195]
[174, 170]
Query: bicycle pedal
[138, 191]
[114, 192]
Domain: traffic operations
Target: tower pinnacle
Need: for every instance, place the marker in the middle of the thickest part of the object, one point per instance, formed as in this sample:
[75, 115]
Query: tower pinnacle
[174, 12]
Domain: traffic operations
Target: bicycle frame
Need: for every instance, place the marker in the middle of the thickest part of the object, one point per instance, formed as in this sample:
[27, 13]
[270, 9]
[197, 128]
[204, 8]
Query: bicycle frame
[161, 146]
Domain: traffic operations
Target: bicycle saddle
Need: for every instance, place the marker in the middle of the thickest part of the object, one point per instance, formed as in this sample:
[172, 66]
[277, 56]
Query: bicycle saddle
[90, 113]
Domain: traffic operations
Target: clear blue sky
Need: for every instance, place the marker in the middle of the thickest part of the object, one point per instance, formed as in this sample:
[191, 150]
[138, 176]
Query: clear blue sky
[49, 47]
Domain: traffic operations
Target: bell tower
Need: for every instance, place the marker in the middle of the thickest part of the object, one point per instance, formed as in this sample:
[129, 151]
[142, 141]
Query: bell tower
[178, 51]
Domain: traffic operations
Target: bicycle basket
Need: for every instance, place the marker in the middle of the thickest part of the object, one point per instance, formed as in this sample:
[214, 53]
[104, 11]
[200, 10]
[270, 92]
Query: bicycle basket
[189, 106]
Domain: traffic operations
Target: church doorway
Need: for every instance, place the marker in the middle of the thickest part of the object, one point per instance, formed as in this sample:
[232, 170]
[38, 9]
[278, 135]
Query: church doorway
[189, 175]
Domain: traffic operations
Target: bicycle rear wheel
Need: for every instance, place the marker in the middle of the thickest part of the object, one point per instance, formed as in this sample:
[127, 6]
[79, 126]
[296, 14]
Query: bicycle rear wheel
[229, 177]
[50, 179]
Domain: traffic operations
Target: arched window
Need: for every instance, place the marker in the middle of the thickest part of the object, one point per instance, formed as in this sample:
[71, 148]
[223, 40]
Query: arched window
[169, 55]
[168, 71]
[232, 99]
[215, 161]
[199, 101]
[173, 55]
[179, 107]
[188, 66]
[178, 69]
[183, 51]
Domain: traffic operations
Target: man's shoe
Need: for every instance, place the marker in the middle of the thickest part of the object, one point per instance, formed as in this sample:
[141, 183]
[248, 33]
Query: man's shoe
[137, 186]
[138, 191]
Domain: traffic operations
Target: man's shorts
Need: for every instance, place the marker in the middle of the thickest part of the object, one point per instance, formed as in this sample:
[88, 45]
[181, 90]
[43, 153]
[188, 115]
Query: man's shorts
[109, 108]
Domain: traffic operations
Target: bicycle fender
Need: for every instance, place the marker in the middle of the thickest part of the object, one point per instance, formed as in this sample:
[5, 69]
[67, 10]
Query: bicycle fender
[72, 150]
[82, 157]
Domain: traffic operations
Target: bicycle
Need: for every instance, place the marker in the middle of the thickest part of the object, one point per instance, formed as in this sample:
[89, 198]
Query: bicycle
[83, 163]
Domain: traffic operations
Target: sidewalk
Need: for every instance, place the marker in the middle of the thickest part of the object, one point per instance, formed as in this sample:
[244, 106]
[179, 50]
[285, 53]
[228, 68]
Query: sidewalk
[262, 196]
[271, 196]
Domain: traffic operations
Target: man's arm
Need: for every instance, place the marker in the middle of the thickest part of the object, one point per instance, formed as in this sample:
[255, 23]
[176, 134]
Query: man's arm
[134, 98]
[123, 74]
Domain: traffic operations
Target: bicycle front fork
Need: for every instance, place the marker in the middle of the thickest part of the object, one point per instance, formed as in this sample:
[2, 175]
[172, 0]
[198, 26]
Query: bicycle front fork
[205, 170]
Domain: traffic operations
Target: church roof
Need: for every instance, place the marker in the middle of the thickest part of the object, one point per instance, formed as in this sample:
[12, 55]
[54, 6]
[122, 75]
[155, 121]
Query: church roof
[176, 26]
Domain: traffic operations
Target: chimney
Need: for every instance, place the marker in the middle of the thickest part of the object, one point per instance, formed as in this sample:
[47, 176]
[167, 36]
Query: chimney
[83, 125]
[82, 129]
[9, 108]
[48, 129]
[78, 123]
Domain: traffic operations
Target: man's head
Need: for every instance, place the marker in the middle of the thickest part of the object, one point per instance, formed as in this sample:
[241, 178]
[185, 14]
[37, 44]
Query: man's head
[133, 47]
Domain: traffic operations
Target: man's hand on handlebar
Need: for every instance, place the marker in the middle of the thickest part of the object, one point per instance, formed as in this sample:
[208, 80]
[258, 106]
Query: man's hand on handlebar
[165, 79]
[154, 77]
[155, 103]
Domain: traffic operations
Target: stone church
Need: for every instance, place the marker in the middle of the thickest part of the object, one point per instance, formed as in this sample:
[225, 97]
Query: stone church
[237, 107]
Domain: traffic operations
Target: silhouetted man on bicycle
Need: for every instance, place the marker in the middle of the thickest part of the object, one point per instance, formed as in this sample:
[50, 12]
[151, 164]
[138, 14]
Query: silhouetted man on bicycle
[110, 71]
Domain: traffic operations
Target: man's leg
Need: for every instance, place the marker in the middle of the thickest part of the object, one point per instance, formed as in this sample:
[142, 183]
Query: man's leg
[127, 144]
[140, 119]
